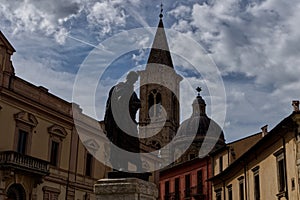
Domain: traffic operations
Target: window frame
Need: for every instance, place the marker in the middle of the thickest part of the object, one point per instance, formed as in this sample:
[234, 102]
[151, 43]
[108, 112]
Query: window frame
[91, 165]
[241, 188]
[281, 172]
[218, 193]
[25, 122]
[256, 183]
[56, 134]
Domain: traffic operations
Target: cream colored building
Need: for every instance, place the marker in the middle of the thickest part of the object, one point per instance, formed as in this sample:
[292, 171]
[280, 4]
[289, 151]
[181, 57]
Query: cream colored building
[41, 155]
[268, 170]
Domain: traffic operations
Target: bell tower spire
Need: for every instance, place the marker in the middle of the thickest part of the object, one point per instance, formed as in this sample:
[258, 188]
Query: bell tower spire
[160, 52]
[159, 95]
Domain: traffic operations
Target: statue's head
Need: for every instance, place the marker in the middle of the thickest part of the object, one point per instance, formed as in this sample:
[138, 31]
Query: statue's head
[132, 77]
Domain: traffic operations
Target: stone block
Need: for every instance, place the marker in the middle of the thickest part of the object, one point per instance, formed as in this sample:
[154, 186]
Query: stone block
[125, 189]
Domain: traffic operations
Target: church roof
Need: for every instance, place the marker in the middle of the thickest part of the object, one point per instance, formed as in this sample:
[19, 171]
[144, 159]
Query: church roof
[160, 52]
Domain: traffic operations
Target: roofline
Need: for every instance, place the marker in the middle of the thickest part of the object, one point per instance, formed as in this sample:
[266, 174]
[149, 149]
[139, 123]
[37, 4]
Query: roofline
[245, 156]
[195, 160]
[9, 45]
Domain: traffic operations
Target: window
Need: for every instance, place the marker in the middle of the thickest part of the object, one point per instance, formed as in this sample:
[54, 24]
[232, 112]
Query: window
[22, 142]
[54, 153]
[221, 164]
[25, 124]
[256, 183]
[241, 187]
[293, 183]
[167, 190]
[88, 164]
[50, 193]
[154, 104]
[177, 188]
[281, 173]
[229, 192]
[56, 136]
[187, 185]
[192, 156]
[199, 182]
[218, 194]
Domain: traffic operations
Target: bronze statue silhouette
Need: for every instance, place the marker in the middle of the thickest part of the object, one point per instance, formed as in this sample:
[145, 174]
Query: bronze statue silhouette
[121, 108]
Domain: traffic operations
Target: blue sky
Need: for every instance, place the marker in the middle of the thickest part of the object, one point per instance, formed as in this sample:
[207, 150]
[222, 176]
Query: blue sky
[255, 45]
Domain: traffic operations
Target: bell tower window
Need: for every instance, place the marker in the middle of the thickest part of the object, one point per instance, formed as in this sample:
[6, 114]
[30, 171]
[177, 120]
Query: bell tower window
[154, 104]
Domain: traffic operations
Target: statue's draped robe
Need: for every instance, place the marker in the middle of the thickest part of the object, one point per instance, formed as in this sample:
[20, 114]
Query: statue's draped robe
[119, 95]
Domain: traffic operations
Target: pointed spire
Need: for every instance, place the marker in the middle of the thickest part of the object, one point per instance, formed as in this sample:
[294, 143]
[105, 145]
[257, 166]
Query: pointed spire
[160, 52]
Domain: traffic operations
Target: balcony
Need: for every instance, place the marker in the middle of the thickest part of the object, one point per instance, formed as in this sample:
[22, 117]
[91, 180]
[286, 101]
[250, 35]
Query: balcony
[173, 196]
[187, 194]
[17, 161]
[197, 192]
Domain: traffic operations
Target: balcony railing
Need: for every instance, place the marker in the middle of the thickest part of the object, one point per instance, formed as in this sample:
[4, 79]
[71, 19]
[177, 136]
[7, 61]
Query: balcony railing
[173, 196]
[14, 160]
[187, 193]
[197, 191]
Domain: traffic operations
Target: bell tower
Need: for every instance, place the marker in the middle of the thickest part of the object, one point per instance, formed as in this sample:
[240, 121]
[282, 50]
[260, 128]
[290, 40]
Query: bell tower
[159, 95]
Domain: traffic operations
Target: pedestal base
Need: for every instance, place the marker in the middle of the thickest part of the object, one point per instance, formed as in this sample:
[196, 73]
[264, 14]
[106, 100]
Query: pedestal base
[119, 174]
[125, 189]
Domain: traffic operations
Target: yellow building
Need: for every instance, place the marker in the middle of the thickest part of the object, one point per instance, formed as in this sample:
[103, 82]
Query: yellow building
[41, 155]
[268, 170]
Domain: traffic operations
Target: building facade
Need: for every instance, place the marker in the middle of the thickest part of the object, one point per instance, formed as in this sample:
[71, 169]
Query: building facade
[41, 154]
[269, 169]
[187, 177]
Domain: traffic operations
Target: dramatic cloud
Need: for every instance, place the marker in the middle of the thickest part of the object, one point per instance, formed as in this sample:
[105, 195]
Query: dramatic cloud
[254, 43]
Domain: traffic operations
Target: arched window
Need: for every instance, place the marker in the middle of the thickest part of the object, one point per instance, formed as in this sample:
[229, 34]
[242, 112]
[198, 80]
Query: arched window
[154, 104]
[16, 192]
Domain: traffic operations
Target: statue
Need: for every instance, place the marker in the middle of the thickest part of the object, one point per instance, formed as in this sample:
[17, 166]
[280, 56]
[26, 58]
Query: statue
[122, 99]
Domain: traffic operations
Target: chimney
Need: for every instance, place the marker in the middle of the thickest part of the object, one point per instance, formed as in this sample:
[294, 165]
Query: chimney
[264, 130]
[295, 105]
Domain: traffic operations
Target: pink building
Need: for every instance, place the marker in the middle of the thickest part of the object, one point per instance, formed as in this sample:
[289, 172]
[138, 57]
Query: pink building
[188, 177]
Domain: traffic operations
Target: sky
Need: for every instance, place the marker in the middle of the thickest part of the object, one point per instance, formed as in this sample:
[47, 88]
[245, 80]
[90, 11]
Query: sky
[253, 45]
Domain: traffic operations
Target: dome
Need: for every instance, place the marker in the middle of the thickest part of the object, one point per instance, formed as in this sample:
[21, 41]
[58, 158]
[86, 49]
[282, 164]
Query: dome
[199, 126]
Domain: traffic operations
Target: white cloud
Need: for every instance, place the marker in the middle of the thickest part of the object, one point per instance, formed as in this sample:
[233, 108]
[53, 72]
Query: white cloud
[106, 14]
[180, 11]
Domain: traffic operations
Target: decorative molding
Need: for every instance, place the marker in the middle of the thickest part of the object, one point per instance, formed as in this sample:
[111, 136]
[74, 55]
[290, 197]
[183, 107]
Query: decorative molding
[27, 118]
[58, 131]
[51, 189]
[91, 145]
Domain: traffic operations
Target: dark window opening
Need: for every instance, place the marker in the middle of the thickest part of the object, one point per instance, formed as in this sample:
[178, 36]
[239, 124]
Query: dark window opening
[241, 189]
[229, 192]
[167, 190]
[281, 175]
[88, 164]
[54, 153]
[221, 164]
[22, 141]
[219, 194]
[177, 189]
[256, 186]
[187, 185]
[199, 182]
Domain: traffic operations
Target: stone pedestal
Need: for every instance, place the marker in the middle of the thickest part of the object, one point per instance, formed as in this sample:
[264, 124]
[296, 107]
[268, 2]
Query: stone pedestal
[125, 189]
